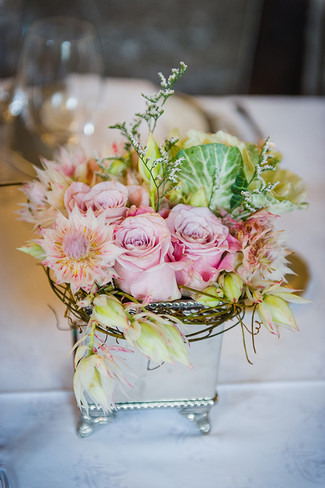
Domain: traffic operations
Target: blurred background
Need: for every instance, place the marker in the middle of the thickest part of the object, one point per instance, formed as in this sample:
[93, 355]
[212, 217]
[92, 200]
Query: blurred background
[231, 47]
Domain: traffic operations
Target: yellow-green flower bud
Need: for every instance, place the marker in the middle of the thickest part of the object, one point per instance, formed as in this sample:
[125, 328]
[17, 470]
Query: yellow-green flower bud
[232, 286]
[274, 310]
[254, 296]
[152, 344]
[157, 339]
[210, 296]
[175, 344]
[109, 312]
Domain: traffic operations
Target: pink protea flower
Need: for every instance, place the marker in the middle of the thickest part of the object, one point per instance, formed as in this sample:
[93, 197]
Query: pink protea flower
[44, 196]
[36, 208]
[158, 337]
[264, 256]
[97, 374]
[74, 164]
[80, 250]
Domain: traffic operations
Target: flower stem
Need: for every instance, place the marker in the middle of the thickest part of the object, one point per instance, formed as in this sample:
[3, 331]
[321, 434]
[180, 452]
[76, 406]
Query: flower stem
[91, 339]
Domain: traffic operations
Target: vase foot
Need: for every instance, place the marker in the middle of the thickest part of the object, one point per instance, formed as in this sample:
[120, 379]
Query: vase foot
[88, 423]
[84, 428]
[198, 415]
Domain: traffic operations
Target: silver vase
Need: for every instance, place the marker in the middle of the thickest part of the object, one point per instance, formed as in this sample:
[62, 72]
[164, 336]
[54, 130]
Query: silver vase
[193, 391]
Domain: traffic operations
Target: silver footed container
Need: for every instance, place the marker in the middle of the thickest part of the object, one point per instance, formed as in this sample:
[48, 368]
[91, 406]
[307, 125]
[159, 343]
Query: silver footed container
[193, 391]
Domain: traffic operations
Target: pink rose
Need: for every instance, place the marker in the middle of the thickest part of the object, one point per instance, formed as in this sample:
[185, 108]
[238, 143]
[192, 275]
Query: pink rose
[109, 197]
[144, 269]
[203, 243]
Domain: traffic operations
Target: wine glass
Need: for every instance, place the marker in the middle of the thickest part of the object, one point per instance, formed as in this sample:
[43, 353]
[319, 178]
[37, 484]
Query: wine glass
[59, 80]
[10, 33]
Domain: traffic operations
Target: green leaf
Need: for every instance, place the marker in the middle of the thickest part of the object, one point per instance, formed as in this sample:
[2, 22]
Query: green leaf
[273, 205]
[151, 155]
[253, 153]
[33, 249]
[117, 167]
[213, 167]
[240, 185]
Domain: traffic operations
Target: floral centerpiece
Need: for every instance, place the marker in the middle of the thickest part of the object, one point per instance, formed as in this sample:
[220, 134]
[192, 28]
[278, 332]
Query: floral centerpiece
[126, 238]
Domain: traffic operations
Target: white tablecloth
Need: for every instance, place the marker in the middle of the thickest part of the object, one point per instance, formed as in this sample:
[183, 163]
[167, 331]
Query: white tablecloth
[268, 428]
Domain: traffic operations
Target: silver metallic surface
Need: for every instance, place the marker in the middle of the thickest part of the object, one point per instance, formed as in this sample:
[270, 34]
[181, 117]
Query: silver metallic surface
[185, 306]
[191, 390]
[196, 410]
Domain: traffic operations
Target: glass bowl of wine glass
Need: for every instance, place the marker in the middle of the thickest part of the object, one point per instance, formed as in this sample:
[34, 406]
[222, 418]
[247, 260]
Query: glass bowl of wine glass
[59, 80]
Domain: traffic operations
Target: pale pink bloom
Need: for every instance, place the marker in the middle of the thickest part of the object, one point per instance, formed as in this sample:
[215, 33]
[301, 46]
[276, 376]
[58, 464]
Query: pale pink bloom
[36, 202]
[263, 254]
[44, 196]
[41, 212]
[138, 195]
[73, 163]
[80, 250]
[50, 175]
[202, 243]
[255, 225]
[144, 269]
[264, 259]
[107, 197]
[55, 198]
[35, 192]
[74, 196]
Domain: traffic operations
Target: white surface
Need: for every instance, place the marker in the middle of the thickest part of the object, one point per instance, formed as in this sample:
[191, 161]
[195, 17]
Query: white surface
[270, 436]
[268, 428]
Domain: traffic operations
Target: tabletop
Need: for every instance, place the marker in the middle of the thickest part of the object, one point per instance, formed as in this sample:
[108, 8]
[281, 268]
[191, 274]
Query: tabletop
[268, 428]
